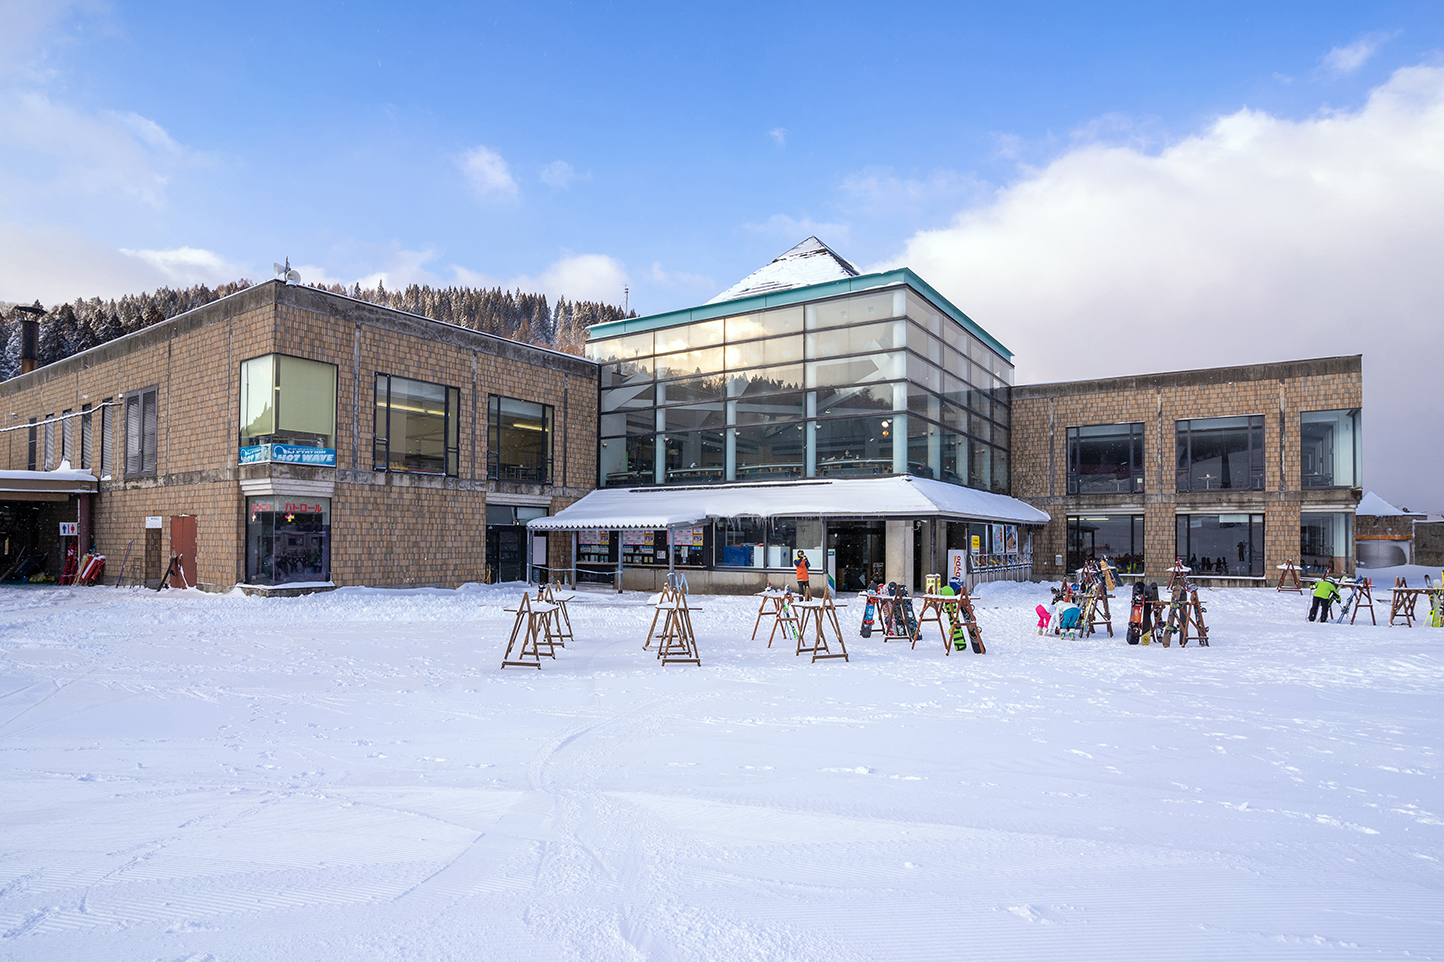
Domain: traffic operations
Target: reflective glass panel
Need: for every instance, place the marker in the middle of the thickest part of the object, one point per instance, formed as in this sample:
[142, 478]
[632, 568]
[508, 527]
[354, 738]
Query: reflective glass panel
[766, 451]
[627, 461]
[1330, 449]
[1220, 454]
[1104, 459]
[854, 447]
[1221, 544]
[1117, 537]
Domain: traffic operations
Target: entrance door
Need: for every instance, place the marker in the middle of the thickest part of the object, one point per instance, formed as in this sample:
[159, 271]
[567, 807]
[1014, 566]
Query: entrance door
[505, 552]
[183, 543]
[861, 552]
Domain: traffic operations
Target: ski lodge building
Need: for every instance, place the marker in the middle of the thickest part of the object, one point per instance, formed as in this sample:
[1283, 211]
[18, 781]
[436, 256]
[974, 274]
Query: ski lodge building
[289, 438]
[285, 439]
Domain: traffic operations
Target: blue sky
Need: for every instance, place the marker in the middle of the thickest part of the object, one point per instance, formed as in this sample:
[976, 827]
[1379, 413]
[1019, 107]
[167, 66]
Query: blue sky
[675, 148]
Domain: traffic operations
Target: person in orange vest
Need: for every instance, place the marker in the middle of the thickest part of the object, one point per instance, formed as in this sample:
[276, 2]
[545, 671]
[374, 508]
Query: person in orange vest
[801, 573]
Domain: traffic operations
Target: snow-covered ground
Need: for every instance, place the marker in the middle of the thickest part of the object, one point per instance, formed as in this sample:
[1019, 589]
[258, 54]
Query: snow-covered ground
[350, 776]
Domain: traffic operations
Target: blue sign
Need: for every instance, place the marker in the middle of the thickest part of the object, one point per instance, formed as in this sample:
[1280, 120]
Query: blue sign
[288, 454]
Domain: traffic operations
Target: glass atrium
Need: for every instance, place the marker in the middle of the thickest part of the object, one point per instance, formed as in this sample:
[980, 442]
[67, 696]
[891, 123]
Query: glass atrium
[861, 385]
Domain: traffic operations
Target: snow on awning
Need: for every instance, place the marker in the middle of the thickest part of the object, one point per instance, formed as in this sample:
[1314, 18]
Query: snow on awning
[893, 497]
[45, 484]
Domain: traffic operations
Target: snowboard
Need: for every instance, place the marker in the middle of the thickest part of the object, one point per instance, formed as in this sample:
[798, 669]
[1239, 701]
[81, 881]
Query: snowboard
[1135, 618]
[909, 617]
[870, 611]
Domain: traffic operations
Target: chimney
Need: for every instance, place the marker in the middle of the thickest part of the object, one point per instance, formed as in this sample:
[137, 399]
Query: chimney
[29, 338]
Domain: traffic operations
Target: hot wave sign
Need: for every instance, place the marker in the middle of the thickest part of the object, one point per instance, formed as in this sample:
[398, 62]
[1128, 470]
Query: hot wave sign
[288, 454]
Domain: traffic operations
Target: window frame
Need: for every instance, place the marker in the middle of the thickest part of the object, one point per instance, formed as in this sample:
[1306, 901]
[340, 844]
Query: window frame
[451, 428]
[147, 456]
[1072, 455]
[1258, 480]
[493, 439]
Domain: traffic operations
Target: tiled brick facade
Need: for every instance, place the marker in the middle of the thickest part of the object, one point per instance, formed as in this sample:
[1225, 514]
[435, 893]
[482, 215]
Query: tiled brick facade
[386, 528]
[1042, 414]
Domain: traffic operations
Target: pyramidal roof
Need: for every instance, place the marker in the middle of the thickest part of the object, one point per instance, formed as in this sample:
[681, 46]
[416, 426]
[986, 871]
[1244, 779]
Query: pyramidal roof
[1374, 506]
[811, 262]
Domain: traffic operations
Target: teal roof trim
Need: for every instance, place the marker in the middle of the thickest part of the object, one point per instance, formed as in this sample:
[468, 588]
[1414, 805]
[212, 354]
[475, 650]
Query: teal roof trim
[797, 295]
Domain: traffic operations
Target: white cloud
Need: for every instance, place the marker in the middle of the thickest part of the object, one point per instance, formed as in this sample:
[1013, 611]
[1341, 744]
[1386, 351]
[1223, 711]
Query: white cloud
[1350, 57]
[60, 264]
[403, 268]
[1257, 239]
[680, 280]
[784, 227]
[56, 152]
[779, 134]
[560, 174]
[487, 173]
[880, 189]
[577, 277]
[184, 266]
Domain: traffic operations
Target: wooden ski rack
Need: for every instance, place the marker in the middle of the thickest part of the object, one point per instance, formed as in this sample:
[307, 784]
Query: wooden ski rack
[1402, 604]
[533, 627]
[1363, 598]
[1289, 578]
[1097, 602]
[677, 642]
[821, 613]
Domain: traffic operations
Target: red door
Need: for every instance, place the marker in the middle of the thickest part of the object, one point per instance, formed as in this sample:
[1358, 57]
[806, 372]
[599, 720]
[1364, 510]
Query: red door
[183, 543]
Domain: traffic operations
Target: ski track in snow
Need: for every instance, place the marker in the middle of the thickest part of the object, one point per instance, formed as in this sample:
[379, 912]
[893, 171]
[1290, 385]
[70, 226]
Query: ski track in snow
[349, 775]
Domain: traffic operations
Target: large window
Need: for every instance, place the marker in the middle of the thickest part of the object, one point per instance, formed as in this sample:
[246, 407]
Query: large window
[1117, 537]
[288, 402]
[417, 426]
[1222, 545]
[768, 542]
[1331, 449]
[1221, 454]
[288, 540]
[1106, 459]
[140, 432]
[1324, 540]
[874, 383]
[519, 441]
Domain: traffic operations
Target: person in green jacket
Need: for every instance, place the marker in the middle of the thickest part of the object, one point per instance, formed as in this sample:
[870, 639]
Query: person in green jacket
[1325, 594]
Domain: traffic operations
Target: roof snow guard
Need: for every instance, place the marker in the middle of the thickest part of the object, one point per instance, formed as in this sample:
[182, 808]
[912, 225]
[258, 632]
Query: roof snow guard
[651, 509]
[811, 262]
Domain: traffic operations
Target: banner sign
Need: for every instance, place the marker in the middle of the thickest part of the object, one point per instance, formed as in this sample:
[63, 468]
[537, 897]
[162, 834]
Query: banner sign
[288, 454]
[956, 569]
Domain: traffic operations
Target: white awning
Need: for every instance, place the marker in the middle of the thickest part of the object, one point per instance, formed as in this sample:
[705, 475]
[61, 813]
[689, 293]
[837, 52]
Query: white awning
[891, 497]
[55, 485]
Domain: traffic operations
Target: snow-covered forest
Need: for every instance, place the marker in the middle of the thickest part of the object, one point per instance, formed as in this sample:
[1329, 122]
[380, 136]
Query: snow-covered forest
[67, 329]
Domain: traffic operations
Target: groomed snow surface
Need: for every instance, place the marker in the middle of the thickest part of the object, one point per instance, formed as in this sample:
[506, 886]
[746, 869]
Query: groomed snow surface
[350, 776]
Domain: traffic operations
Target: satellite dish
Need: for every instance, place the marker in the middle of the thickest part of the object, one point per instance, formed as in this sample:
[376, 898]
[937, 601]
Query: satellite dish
[286, 273]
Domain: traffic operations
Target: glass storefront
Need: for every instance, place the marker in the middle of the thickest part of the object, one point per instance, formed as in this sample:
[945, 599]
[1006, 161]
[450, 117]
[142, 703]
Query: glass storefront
[866, 384]
[288, 540]
[1117, 537]
[1332, 449]
[1222, 545]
